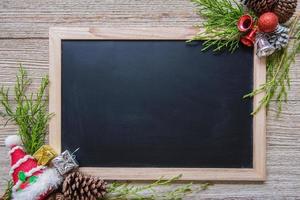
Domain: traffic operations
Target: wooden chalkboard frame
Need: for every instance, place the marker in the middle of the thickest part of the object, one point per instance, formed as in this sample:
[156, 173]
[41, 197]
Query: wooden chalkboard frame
[57, 34]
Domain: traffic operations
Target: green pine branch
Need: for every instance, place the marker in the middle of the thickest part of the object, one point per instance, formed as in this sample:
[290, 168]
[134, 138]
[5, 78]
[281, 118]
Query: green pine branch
[278, 68]
[125, 191]
[30, 112]
[220, 29]
[8, 191]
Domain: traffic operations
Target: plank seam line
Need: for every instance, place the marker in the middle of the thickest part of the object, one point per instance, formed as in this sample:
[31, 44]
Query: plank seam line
[24, 38]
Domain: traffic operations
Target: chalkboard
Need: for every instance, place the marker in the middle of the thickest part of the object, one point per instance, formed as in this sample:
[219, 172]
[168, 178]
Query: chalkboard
[156, 104]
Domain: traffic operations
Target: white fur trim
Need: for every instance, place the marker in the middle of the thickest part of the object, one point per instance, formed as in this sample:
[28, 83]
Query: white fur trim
[19, 162]
[14, 149]
[49, 179]
[13, 140]
[28, 174]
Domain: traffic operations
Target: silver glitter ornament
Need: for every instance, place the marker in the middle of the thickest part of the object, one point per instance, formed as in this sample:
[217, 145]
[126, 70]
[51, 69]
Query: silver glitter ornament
[65, 162]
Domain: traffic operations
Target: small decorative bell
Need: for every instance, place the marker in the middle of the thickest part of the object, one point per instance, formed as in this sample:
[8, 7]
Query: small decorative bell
[245, 23]
[264, 48]
[249, 39]
[65, 162]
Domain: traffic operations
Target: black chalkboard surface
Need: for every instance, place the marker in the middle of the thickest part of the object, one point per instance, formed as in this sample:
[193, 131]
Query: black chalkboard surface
[129, 103]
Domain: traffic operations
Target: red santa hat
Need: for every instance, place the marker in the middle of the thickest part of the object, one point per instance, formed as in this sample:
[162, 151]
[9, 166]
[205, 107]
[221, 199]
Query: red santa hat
[31, 181]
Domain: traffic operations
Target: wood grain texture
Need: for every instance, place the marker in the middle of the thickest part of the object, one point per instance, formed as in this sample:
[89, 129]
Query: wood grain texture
[31, 19]
[24, 38]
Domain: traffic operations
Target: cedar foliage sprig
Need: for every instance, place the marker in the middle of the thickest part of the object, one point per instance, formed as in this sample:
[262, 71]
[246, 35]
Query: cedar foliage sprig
[7, 195]
[278, 67]
[125, 191]
[220, 29]
[30, 112]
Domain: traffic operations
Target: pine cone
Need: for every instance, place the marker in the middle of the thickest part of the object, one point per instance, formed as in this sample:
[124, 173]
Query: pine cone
[260, 6]
[271, 3]
[81, 187]
[285, 9]
[56, 196]
[279, 38]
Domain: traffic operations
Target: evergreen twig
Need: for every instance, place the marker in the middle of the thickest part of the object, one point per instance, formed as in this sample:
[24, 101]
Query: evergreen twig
[7, 195]
[30, 112]
[220, 29]
[278, 67]
[125, 191]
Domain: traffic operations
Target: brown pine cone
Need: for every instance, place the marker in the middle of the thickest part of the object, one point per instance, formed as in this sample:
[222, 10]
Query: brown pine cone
[271, 3]
[285, 9]
[81, 187]
[260, 6]
[56, 196]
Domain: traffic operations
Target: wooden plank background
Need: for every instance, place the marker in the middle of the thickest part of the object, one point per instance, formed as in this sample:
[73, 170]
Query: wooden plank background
[24, 39]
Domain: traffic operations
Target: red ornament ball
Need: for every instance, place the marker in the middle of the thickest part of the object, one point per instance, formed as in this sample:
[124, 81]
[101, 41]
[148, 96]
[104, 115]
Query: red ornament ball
[268, 22]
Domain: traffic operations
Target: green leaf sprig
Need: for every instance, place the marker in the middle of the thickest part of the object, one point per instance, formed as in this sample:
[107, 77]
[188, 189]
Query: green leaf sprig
[125, 191]
[30, 112]
[278, 68]
[220, 28]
